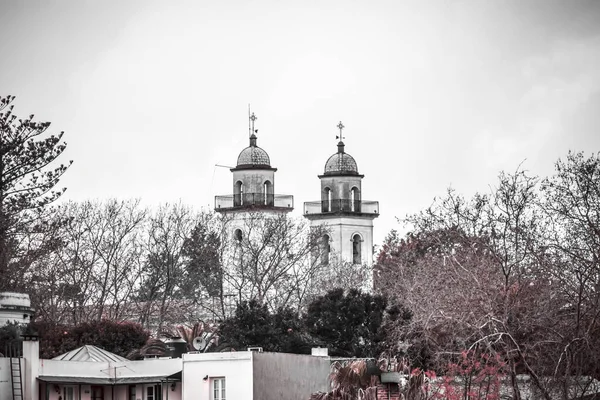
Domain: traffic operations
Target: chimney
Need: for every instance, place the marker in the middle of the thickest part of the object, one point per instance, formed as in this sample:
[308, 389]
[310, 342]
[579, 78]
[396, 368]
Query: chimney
[31, 370]
[319, 351]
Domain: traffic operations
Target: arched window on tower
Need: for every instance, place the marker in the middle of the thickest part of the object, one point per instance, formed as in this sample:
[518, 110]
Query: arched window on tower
[325, 250]
[355, 199]
[238, 252]
[326, 200]
[238, 194]
[356, 249]
[268, 191]
[238, 236]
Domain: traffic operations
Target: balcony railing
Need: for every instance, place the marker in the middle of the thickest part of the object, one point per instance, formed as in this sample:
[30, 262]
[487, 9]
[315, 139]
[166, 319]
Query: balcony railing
[257, 200]
[341, 205]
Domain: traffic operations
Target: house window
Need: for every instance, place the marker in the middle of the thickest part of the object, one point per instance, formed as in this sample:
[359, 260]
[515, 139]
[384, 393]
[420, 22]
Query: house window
[132, 389]
[150, 393]
[68, 392]
[97, 393]
[153, 392]
[218, 391]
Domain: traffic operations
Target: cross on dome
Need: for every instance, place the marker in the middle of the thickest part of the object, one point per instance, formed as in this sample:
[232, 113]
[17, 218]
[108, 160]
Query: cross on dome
[252, 119]
[340, 127]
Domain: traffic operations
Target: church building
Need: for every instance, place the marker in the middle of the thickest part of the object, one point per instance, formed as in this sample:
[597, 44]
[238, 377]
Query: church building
[347, 217]
[342, 210]
[253, 187]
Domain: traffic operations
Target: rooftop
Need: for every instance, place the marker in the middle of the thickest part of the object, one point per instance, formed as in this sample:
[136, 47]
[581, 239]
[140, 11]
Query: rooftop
[90, 353]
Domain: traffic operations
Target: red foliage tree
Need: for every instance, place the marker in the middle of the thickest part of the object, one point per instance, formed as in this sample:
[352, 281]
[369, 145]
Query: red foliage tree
[117, 337]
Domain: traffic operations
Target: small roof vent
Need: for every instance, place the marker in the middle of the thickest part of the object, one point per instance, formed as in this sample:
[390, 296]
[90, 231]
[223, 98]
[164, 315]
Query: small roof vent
[319, 352]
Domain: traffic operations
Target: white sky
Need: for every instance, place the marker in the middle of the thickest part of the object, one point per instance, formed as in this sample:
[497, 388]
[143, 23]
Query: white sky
[151, 95]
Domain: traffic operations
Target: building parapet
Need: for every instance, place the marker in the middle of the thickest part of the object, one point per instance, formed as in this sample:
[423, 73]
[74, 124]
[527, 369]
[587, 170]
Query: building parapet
[254, 200]
[341, 205]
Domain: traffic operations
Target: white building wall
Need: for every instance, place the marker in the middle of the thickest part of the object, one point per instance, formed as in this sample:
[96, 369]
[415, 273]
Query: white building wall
[103, 370]
[116, 392]
[340, 187]
[342, 228]
[254, 179]
[5, 383]
[235, 367]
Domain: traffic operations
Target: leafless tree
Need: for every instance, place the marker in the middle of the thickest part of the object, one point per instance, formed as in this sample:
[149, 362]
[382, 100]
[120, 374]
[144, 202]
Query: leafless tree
[338, 273]
[162, 296]
[97, 269]
[571, 204]
[270, 258]
[177, 266]
[471, 274]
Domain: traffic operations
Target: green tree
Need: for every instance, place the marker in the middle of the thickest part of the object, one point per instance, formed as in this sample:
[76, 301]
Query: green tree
[253, 325]
[348, 323]
[202, 252]
[8, 333]
[27, 186]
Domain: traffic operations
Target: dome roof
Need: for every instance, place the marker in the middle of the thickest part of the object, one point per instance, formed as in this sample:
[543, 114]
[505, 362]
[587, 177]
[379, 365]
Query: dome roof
[253, 156]
[341, 163]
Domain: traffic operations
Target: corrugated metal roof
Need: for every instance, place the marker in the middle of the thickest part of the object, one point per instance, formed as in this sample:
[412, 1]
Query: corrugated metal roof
[89, 353]
[110, 381]
[76, 379]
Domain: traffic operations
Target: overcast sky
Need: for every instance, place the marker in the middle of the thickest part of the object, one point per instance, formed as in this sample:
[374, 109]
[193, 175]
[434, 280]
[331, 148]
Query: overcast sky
[152, 94]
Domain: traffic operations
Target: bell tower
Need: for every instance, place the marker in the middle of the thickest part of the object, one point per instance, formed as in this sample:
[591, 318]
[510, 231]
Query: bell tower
[253, 192]
[348, 218]
[253, 183]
